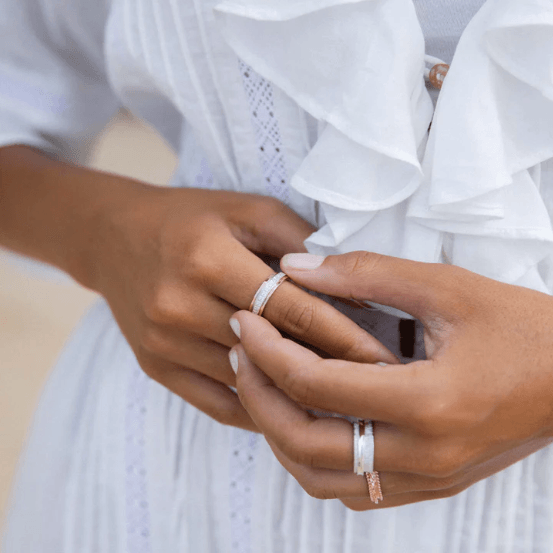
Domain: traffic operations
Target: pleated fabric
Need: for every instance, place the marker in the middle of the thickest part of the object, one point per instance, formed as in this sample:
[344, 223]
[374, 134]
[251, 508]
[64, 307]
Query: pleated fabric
[117, 463]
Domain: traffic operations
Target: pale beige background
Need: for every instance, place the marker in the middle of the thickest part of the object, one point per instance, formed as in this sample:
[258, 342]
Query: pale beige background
[36, 317]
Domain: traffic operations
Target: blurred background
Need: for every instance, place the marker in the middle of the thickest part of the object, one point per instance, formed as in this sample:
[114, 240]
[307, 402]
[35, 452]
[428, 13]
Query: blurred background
[37, 316]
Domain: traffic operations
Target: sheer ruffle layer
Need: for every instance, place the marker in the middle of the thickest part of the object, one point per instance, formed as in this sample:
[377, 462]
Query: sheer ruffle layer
[477, 195]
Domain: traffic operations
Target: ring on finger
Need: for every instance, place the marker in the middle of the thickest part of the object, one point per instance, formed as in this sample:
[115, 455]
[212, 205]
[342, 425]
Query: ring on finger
[265, 291]
[363, 458]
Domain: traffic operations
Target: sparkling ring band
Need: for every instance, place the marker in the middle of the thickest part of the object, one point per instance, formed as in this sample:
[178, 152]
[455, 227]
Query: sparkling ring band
[363, 457]
[265, 291]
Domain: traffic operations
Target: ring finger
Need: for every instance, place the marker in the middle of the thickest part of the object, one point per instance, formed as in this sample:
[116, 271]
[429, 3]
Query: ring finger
[326, 444]
[397, 487]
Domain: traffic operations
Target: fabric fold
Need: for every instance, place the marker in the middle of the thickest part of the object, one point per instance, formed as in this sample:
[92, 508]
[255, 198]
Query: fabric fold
[471, 191]
[358, 68]
[483, 177]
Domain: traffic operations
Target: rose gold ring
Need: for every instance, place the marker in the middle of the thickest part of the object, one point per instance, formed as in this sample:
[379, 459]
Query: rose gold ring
[265, 291]
[373, 485]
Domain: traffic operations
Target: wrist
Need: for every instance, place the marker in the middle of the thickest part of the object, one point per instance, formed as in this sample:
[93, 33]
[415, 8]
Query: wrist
[124, 229]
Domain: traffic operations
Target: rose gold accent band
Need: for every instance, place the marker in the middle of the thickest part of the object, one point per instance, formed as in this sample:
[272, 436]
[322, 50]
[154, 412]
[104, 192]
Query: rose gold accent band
[373, 485]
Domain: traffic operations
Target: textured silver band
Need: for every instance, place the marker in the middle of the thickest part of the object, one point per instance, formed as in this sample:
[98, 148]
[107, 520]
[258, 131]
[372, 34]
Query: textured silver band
[265, 291]
[363, 447]
[356, 466]
[366, 448]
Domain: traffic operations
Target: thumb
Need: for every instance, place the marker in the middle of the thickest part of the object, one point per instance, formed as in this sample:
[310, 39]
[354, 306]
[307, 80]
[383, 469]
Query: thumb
[420, 289]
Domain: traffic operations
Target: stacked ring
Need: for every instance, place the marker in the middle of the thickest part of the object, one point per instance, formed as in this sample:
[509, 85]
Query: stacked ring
[363, 458]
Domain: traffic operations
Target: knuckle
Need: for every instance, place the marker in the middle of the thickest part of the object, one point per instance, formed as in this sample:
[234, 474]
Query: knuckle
[149, 368]
[296, 448]
[161, 309]
[317, 491]
[305, 458]
[353, 348]
[457, 293]
[298, 318]
[201, 267]
[439, 415]
[448, 414]
[358, 264]
[295, 451]
[224, 410]
[297, 385]
[224, 414]
[152, 340]
[246, 394]
[269, 206]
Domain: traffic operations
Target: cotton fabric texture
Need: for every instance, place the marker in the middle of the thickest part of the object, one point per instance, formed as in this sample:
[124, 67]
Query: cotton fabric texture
[322, 104]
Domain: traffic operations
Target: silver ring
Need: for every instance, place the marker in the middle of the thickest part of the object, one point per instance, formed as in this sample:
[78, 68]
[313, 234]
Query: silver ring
[366, 448]
[363, 447]
[356, 448]
[265, 291]
[363, 458]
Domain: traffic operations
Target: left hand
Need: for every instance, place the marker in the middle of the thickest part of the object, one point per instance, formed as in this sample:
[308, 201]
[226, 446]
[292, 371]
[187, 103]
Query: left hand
[481, 401]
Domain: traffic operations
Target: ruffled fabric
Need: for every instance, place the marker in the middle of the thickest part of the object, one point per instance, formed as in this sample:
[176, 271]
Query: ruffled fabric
[493, 129]
[358, 68]
[472, 191]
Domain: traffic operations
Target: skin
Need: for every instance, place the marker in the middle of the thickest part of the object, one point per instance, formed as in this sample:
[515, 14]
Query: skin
[173, 264]
[480, 402]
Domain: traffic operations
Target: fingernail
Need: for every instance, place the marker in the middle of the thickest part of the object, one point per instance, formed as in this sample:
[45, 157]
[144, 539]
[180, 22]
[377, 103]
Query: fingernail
[235, 325]
[305, 261]
[233, 357]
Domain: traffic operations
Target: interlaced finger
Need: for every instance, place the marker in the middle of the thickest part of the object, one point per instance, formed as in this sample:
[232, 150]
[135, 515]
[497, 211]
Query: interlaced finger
[194, 312]
[192, 351]
[213, 398]
[395, 393]
[421, 289]
[320, 442]
[292, 310]
[397, 488]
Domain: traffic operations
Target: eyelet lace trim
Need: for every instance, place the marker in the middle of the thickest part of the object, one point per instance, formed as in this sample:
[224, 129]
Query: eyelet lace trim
[260, 98]
[137, 508]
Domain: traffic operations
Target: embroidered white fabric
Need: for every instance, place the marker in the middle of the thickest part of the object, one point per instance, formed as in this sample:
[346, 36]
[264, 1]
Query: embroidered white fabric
[242, 476]
[259, 93]
[137, 508]
[260, 99]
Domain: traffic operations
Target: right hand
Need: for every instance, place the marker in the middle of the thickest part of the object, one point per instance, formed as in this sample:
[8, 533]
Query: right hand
[176, 264]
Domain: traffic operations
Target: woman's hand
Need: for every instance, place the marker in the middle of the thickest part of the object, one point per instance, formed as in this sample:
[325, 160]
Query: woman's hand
[482, 401]
[175, 264]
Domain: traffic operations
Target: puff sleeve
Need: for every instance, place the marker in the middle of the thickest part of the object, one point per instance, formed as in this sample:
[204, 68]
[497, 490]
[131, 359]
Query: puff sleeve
[54, 92]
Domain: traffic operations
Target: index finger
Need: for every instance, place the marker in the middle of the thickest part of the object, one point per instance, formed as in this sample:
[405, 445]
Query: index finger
[391, 394]
[294, 311]
[421, 289]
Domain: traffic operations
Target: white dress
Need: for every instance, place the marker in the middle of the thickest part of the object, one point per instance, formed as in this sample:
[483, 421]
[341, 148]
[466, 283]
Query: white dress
[115, 463]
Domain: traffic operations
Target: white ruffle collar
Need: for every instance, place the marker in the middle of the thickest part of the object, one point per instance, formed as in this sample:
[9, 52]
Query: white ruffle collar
[473, 189]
